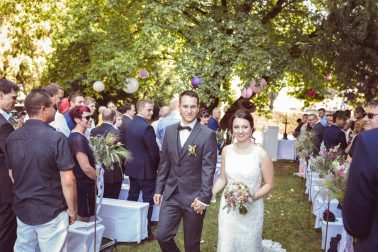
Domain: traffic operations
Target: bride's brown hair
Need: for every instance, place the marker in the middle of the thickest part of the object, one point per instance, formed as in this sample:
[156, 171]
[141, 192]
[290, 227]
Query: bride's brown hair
[243, 114]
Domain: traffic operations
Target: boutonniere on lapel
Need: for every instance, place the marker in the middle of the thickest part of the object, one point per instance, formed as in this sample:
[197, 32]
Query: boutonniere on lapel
[192, 150]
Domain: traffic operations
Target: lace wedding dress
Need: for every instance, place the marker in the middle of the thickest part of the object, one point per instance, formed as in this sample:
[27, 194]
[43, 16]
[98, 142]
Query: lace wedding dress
[239, 232]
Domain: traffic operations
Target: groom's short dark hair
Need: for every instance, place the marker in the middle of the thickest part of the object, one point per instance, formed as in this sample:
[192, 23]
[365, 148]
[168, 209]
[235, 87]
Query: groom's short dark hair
[191, 94]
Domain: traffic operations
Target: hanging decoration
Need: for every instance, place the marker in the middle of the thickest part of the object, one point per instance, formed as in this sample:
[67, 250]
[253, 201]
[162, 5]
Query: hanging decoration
[246, 92]
[196, 81]
[98, 86]
[258, 88]
[131, 85]
[143, 74]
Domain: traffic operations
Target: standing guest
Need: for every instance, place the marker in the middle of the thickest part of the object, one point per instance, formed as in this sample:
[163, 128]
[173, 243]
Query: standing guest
[359, 113]
[334, 135]
[84, 162]
[329, 118]
[41, 165]
[118, 122]
[100, 110]
[297, 130]
[214, 120]
[163, 113]
[128, 111]
[371, 116]
[360, 208]
[75, 99]
[111, 105]
[316, 130]
[348, 130]
[358, 128]
[172, 118]
[112, 177]
[140, 141]
[185, 178]
[8, 226]
[322, 116]
[204, 117]
[57, 94]
[91, 104]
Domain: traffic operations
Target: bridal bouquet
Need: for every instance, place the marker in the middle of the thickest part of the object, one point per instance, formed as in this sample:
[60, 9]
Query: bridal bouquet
[237, 196]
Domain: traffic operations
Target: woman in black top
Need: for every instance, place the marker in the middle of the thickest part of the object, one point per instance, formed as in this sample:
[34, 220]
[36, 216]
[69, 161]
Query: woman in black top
[84, 162]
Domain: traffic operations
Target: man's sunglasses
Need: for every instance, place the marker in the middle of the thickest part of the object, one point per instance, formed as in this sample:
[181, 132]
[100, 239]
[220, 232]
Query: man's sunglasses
[87, 117]
[371, 115]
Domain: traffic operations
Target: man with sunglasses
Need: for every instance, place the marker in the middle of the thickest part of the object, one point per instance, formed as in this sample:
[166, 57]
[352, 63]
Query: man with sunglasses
[360, 208]
[40, 164]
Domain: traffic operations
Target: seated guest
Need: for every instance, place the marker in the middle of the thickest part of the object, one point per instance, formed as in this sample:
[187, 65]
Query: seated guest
[334, 135]
[84, 170]
[112, 177]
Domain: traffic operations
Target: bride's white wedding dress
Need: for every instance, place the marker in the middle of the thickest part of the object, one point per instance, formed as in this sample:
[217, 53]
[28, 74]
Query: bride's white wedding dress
[237, 232]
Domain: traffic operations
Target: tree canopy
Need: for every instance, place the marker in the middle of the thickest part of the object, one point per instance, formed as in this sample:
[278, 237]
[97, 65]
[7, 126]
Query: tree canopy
[289, 43]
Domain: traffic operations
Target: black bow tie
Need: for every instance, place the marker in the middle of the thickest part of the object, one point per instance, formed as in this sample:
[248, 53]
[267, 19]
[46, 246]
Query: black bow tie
[184, 128]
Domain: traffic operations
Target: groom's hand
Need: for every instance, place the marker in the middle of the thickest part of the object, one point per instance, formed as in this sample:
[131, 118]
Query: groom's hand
[198, 206]
[157, 198]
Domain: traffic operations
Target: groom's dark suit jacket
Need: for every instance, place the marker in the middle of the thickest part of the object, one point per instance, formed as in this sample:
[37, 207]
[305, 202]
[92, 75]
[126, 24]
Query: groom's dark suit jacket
[360, 208]
[192, 175]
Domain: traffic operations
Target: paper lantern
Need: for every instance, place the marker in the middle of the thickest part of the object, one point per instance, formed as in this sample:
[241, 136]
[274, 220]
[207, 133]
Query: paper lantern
[329, 77]
[98, 86]
[258, 88]
[246, 92]
[131, 85]
[196, 81]
[143, 74]
[311, 93]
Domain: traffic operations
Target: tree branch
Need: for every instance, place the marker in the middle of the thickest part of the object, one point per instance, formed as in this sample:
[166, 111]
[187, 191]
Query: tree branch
[274, 12]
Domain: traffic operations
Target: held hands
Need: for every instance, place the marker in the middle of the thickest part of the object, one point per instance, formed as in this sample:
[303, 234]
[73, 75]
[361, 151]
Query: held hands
[157, 199]
[198, 206]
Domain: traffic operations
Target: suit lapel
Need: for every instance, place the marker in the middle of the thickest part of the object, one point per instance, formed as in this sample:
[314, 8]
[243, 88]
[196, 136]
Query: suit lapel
[193, 135]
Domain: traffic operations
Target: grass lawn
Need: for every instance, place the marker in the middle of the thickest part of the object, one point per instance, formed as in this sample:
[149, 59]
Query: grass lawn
[287, 218]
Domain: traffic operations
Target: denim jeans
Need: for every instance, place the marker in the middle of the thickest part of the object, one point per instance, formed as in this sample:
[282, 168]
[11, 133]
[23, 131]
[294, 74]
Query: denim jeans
[49, 237]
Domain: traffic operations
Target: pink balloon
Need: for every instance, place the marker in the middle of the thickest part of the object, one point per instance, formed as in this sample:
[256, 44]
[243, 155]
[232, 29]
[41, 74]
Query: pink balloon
[246, 92]
[258, 88]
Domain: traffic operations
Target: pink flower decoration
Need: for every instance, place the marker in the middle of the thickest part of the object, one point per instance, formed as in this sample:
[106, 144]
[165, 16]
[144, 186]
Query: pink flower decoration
[246, 92]
[311, 93]
[143, 74]
[329, 77]
[341, 173]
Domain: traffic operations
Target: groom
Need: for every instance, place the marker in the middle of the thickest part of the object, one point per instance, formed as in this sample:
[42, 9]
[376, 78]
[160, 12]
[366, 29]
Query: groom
[185, 177]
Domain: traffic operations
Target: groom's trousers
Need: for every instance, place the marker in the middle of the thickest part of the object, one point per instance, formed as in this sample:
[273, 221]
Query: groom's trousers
[171, 212]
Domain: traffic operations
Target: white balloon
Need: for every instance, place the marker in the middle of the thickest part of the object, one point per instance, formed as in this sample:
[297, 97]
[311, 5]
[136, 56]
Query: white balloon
[98, 86]
[131, 85]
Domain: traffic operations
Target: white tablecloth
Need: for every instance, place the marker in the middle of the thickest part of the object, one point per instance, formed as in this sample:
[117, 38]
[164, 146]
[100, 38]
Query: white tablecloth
[125, 193]
[286, 149]
[124, 221]
[81, 236]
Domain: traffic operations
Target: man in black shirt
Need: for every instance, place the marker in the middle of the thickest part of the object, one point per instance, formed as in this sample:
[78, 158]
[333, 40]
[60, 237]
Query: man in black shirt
[41, 165]
[334, 135]
[8, 225]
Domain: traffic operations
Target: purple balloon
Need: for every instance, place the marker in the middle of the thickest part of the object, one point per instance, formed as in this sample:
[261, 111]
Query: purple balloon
[196, 81]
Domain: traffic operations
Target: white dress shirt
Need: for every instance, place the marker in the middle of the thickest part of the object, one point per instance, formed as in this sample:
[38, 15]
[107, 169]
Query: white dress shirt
[184, 134]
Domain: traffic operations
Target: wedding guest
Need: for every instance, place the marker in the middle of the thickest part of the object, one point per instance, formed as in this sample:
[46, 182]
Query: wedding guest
[75, 99]
[334, 135]
[204, 117]
[173, 117]
[44, 185]
[64, 106]
[360, 208]
[112, 177]
[8, 226]
[329, 120]
[91, 104]
[214, 120]
[118, 122]
[359, 112]
[100, 110]
[316, 129]
[163, 113]
[139, 139]
[358, 128]
[111, 105]
[128, 111]
[322, 116]
[57, 94]
[298, 128]
[84, 168]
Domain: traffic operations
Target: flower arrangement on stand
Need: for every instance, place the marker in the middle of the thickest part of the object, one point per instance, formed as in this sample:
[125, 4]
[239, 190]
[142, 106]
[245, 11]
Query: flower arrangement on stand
[327, 161]
[108, 153]
[305, 146]
[237, 196]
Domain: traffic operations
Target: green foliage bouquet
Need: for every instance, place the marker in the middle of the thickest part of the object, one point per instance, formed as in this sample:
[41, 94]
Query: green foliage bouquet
[108, 151]
[305, 146]
[237, 196]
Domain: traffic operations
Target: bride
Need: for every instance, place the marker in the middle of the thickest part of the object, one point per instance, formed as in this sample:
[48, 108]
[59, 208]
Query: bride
[247, 163]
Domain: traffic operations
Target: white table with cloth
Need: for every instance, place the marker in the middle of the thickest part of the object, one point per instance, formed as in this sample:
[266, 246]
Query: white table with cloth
[286, 149]
[124, 221]
[125, 193]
